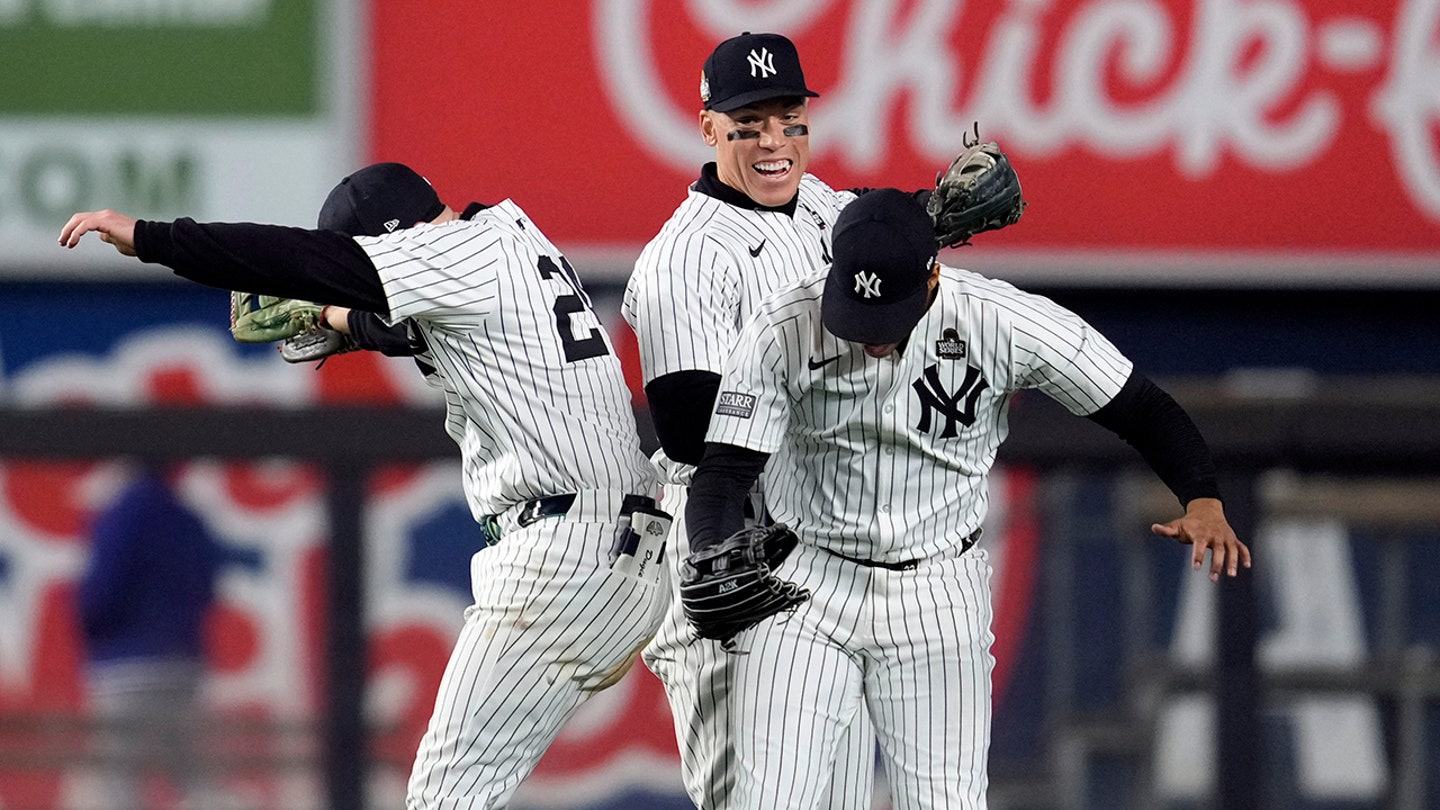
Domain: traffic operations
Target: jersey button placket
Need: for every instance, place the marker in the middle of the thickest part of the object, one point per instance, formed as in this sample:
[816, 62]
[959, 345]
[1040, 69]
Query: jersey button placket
[886, 479]
[885, 391]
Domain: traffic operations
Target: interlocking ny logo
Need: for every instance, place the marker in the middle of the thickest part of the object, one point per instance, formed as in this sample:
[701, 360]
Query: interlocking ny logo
[867, 284]
[933, 397]
[762, 64]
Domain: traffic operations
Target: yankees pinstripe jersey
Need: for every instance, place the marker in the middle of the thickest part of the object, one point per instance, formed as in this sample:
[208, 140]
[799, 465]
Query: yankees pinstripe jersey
[697, 282]
[886, 458]
[694, 287]
[534, 393]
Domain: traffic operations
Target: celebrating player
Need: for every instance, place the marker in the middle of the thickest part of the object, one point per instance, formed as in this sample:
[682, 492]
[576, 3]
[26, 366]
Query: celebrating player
[755, 220]
[878, 393]
[551, 457]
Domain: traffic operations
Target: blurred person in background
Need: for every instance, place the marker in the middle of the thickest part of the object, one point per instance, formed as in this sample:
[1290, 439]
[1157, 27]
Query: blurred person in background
[143, 602]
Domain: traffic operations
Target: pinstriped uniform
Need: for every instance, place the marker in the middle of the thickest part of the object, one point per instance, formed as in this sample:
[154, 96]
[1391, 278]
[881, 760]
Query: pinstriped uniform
[536, 400]
[531, 422]
[696, 283]
[885, 459]
[694, 287]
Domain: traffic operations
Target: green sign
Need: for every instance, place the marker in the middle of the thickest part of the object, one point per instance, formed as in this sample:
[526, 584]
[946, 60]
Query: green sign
[179, 57]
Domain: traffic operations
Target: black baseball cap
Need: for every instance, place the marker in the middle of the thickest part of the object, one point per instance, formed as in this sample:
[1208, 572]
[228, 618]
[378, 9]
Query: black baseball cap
[378, 199]
[877, 288]
[751, 68]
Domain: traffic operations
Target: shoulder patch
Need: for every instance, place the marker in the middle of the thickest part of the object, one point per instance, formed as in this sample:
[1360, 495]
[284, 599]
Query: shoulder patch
[734, 403]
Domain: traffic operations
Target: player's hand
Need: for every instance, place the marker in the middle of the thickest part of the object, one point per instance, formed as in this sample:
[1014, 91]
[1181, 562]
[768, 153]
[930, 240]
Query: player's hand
[113, 227]
[1204, 526]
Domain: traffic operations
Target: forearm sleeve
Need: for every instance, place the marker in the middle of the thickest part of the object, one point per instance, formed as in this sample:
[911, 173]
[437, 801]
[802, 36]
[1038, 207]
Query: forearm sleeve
[716, 508]
[1152, 422]
[372, 333]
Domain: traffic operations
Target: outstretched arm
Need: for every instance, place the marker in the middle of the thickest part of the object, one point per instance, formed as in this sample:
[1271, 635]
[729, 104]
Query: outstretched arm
[1155, 425]
[265, 259]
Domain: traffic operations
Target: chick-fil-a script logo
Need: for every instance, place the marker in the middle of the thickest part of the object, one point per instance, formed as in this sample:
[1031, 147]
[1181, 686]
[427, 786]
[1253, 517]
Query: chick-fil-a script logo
[1260, 82]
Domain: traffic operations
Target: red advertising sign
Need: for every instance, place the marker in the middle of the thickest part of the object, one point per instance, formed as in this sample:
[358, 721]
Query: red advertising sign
[1288, 138]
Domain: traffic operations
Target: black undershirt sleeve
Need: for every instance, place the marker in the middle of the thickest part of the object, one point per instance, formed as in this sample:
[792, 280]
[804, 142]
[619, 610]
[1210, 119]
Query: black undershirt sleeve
[1152, 422]
[369, 332]
[680, 406]
[325, 266]
[716, 508]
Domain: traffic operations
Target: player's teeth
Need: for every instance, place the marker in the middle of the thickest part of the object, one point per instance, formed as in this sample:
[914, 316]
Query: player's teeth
[773, 167]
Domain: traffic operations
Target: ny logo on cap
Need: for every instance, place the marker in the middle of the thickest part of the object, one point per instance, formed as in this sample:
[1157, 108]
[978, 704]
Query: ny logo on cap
[764, 62]
[867, 284]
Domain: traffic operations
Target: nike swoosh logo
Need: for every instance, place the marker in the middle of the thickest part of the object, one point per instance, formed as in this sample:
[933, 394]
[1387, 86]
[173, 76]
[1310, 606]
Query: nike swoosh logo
[816, 365]
[755, 251]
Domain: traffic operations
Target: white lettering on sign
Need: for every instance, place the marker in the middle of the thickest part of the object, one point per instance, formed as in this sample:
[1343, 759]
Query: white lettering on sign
[116, 13]
[1246, 83]
[47, 183]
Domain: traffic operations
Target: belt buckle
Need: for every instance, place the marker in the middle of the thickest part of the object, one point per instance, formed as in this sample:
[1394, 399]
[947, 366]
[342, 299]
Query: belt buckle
[529, 513]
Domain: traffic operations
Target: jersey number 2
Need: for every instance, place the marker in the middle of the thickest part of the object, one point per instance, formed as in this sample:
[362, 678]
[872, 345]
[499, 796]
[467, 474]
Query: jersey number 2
[576, 349]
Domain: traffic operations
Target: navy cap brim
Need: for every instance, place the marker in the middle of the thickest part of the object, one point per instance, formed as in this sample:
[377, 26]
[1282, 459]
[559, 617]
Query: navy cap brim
[870, 324]
[756, 96]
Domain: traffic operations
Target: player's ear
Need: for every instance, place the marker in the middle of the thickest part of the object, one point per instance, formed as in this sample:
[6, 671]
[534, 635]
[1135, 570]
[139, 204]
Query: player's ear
[707, 128]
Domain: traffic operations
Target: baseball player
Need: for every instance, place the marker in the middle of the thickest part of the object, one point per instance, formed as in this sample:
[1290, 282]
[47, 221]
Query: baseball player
[570, 588]
[878, 392]
[754, 221]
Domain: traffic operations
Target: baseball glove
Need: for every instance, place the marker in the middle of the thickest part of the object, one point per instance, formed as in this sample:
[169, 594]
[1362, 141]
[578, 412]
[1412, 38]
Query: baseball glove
[979, 192]
[268, 318]
[729, 587]
[317, 344]
[296, 324]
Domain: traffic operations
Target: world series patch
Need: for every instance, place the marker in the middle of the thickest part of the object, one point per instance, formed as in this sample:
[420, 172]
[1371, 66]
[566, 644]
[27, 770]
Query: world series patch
[734, 403]
[950, 346]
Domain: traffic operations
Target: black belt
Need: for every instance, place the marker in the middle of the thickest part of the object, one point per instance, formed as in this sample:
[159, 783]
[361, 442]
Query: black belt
[535, 510]
[906, 565]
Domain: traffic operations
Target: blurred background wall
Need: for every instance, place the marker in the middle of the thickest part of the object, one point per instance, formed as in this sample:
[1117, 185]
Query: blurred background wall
[1243, 194]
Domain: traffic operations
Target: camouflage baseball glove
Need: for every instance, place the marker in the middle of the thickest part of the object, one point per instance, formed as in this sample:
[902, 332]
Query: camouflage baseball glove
[729, 587]
[295, 324]
[979, 192]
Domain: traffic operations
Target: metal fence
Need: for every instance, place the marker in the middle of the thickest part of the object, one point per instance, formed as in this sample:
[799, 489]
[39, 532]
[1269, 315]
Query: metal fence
[1366, 451]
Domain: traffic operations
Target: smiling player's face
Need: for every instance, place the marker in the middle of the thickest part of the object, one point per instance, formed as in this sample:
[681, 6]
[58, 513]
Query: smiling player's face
[761, 150]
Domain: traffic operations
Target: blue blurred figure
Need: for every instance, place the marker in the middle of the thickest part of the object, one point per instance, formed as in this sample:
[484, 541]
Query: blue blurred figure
[143, 600]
